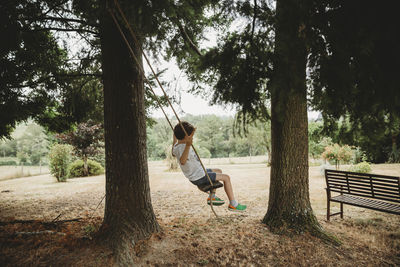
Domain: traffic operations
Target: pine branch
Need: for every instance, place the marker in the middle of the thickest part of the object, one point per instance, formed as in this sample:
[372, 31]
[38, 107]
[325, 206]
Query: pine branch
[254, 19]
[187, 38]
[80, 75]
[61, 30]
[66, 20]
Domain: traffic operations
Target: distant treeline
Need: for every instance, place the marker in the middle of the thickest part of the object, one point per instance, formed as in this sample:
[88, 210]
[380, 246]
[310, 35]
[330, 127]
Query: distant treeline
[214, 138]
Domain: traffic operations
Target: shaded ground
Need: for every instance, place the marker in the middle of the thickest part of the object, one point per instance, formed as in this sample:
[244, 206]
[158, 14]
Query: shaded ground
[191, 235]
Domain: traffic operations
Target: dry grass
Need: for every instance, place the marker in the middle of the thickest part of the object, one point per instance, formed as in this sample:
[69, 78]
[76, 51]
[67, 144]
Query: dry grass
[191, 235]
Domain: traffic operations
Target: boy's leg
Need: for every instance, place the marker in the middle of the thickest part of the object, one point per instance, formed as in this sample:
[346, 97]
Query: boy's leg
[227, 185]
[216, 170]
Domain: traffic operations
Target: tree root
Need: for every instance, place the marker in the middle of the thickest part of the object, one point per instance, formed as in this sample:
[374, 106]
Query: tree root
[300, 224]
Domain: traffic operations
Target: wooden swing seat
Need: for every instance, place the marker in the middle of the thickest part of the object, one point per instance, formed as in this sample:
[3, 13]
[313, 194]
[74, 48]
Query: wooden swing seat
[207, 187]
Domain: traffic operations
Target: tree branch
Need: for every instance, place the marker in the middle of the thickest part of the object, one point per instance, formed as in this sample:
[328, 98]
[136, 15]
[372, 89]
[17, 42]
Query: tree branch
[254, 19]
[80, 75]
[187, 38]
[66, 20]
[61, 30]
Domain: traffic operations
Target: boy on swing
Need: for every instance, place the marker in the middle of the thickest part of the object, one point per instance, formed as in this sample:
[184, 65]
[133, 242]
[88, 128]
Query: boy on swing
[192, 169]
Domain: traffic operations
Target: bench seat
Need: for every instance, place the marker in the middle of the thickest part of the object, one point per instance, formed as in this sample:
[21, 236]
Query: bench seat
[367, 203]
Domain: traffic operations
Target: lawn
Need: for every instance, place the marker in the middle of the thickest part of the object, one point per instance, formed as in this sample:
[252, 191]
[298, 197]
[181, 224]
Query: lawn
[191, 234]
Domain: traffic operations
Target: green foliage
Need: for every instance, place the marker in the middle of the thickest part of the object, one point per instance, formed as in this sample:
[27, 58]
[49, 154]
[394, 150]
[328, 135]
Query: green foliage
[317, 141]
[64, 86]
[86, 140]
[394, 156]
[22, 157]
[203, 152]
[338, 154]
[100, 157]
[76, 168]
[8, 163]
[29, 144]
[375, 138]
[359, 155]
[362, 167]
[351, 63]
[59, 159]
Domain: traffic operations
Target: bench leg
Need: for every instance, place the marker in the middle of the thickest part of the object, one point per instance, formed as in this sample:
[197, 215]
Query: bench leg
[328, 209]
[341, 210]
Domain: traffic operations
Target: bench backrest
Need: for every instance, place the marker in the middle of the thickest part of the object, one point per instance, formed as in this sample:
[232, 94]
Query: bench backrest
[364, 184]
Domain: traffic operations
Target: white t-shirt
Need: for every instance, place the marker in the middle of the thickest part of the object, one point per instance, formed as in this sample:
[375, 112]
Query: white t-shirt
[192, 169]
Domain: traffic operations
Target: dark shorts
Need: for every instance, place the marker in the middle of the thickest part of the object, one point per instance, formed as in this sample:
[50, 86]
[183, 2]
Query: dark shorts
[204, 180]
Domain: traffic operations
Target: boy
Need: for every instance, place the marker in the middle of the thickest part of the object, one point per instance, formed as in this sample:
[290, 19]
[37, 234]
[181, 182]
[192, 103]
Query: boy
[192, 169]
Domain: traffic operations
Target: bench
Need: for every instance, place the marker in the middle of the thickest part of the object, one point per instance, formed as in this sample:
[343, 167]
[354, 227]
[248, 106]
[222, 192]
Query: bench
[372, 191]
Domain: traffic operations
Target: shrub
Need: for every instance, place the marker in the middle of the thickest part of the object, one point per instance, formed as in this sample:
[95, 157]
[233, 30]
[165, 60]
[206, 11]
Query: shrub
[338, 154]
[35, 158]
[362, 167]
[76, 168]
[358, 155]
[59, 158]
[100, 157]
[8, 163]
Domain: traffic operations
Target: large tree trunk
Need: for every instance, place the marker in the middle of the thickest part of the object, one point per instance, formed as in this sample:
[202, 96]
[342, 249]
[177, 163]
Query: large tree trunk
[129, 215]
[289, 203]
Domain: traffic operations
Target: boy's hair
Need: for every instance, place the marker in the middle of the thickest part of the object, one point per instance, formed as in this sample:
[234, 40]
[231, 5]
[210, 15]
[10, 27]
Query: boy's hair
[178, 131]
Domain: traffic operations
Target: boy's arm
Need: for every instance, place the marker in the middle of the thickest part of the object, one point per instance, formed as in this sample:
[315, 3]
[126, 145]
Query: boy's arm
[188, 142]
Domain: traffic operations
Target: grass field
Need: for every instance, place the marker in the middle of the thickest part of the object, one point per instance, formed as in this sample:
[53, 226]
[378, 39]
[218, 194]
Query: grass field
[191, 235]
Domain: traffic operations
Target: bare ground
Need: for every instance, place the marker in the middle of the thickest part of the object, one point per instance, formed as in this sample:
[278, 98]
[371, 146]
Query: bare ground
[191, 234]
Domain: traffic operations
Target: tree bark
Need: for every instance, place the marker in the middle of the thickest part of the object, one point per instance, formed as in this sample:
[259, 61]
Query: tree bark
[129, 215]
[289, 205]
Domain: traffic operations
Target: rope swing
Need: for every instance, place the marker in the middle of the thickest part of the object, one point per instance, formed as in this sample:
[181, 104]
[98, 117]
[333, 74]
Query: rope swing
[117, 24]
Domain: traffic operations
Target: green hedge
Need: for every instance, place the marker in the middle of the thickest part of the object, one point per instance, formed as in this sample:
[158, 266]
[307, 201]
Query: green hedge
[75, 169]
[8, 163]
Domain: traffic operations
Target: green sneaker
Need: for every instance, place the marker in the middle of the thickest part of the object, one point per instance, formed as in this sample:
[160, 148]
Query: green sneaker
[239, 207]
[216, 201]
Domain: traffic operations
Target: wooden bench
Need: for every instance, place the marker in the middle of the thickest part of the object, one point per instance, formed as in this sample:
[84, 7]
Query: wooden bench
[372, 191]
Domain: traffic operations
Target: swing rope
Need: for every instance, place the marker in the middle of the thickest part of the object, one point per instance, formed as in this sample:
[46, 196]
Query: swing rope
[159, 83]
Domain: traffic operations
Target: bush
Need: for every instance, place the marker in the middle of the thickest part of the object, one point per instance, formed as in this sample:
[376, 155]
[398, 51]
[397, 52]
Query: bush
[100, 157]
[35, 158]
[8, 163]
[75, 169]
[59, 159]
[338, 154]
[362, 167]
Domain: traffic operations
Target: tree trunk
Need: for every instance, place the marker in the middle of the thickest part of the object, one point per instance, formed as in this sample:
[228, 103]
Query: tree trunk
[85, 166]
[289, 204]
[129, 215]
